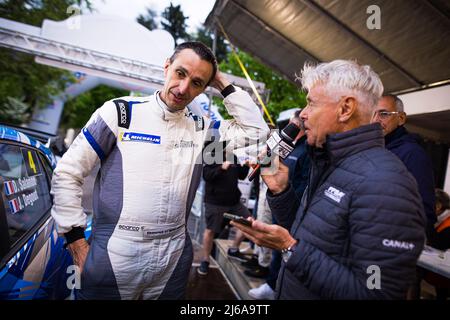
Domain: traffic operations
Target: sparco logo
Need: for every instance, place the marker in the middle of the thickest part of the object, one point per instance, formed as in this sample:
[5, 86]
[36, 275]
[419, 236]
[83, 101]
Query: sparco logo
[123, 113]
[128, 228]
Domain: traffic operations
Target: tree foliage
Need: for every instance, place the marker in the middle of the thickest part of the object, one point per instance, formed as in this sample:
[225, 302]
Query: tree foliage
[78, 110]
[25, 84]
[35, 11]
[174, 21]
[14, 111]
[206, 36]
[283, 94]
[149, 20]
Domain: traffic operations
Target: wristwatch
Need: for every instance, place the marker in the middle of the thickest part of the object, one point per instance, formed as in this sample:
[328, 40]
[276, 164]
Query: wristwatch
[287, 253]
[227, 90]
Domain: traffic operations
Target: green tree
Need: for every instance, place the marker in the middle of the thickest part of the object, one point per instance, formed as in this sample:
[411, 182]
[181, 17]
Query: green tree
[35, 11]
[25, 84]
[174, 21]
[205, 36]
[283, 93]
[149, 19]
[78, 110]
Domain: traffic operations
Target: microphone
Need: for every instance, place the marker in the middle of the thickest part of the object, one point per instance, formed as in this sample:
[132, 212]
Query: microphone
[281, 144]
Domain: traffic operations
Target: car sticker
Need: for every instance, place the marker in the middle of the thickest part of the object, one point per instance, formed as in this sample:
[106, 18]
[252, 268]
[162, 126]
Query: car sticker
[31, 162]
[15, 186]
[16, 205]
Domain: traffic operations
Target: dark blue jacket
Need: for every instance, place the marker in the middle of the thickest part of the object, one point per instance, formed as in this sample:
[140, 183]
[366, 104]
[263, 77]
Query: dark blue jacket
[361, 211]
[406, 146]
[298, 164]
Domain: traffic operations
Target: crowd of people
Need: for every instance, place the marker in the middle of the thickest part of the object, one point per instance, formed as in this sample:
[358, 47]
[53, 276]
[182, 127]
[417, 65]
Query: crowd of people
[345, 216]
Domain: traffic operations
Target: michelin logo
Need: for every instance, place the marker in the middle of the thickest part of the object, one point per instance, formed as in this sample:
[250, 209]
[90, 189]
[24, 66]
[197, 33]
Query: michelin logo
[140, 137]
[334, 194]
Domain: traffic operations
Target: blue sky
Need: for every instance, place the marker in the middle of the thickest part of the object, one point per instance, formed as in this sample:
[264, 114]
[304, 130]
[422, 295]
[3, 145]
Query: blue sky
[196, 10]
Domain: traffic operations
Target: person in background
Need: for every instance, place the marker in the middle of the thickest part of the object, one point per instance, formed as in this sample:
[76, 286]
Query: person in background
[259, 267]
[392, 117]
[298, 161]
[222, 195]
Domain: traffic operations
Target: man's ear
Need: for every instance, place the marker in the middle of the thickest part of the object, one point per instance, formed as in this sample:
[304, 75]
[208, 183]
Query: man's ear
[401, 118]
[166, 66]
[346, 109]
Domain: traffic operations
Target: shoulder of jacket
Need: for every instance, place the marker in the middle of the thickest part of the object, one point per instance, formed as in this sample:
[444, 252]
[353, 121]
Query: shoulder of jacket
[123, 106]
[373, 164]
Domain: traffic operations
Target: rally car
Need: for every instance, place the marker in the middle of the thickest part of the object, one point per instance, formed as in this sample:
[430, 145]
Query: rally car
[33, 261]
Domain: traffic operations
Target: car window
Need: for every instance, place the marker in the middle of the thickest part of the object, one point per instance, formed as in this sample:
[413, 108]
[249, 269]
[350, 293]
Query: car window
[24, 189]
[48, 168]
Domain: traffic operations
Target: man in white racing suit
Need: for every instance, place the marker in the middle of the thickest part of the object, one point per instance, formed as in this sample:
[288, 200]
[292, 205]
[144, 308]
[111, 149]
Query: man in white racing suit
[150, 155]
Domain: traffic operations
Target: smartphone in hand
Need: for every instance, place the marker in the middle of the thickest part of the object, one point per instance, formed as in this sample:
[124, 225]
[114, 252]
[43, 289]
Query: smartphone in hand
[237, 219]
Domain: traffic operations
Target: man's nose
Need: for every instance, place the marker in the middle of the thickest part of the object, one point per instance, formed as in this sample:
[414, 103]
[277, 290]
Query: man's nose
[183, 86]
[303, 114]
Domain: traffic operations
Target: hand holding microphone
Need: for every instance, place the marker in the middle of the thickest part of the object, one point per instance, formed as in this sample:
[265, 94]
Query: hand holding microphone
[280, 144]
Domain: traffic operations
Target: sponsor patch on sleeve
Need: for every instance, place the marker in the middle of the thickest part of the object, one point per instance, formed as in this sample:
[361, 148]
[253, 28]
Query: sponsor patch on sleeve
[123, 113]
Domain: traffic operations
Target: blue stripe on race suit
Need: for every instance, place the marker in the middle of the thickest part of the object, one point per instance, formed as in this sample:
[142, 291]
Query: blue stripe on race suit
[216, 125]
[130, 105]
[94, 144]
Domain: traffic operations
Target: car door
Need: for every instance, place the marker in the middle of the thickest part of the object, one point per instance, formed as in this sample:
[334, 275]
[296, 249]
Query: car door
[33, 261]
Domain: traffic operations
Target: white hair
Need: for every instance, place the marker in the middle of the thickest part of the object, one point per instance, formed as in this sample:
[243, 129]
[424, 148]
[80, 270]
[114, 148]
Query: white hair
[342, 77]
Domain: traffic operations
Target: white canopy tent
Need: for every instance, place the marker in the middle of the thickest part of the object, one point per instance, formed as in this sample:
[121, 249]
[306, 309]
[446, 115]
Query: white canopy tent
[409, 49]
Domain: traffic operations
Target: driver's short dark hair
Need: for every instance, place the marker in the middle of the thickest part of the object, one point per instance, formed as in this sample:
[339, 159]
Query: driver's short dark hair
[201, 50]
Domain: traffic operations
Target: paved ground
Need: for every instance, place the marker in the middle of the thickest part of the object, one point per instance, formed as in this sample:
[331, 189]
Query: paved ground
[213, 286]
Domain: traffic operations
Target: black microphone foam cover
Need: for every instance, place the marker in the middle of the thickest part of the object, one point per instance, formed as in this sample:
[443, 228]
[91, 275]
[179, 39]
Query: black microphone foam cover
[290, 132]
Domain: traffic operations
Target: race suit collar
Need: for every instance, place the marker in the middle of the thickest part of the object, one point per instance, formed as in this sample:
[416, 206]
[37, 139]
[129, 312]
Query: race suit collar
[166, 114]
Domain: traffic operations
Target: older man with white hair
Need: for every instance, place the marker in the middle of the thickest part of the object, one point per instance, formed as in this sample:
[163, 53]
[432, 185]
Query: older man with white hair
[359, 228]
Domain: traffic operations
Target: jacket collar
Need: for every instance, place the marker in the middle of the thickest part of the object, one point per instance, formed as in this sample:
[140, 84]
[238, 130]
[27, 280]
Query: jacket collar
[396, 134]
[339, 146]
[164, 110]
